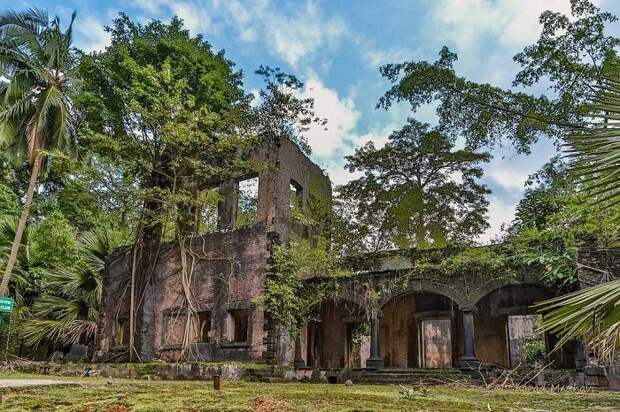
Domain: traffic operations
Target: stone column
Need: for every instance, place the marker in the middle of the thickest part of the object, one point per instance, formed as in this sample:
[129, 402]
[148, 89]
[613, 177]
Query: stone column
[468, 360]
[375, 361]
[581, 356]
[299, 360]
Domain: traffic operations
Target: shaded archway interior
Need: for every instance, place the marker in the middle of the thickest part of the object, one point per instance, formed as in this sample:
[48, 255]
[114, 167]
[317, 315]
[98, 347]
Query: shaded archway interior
[503, 316]
[420, 329]
[339, 339]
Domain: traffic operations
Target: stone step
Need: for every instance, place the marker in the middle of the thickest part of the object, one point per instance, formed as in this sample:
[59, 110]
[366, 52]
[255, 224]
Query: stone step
[418, 373]
[414, 376]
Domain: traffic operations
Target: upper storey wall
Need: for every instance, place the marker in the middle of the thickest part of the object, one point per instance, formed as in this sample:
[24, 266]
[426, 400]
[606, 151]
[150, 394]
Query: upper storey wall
[281, 166]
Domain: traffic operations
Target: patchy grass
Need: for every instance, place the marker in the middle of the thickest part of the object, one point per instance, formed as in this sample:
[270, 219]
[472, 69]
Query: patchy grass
[99, 394]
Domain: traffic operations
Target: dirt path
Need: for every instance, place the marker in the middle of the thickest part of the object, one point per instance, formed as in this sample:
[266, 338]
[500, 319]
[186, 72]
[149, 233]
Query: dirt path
[20, 383]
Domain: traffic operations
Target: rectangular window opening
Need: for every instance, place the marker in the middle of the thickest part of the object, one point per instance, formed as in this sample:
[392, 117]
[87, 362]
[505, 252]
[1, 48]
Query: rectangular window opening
[203, 325]
[296, 195]
[247, 202]
[121, 333]
[208, 211]
[238, 326]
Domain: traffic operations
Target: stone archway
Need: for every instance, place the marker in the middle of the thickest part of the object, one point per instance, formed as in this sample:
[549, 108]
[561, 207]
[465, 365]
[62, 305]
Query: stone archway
[340, 338]
[419, 329]
[504, 318]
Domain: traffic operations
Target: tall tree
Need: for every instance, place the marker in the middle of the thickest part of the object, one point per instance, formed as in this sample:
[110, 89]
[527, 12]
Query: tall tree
[172, 113]
[571, 57]
[35, 105]
[417, 189]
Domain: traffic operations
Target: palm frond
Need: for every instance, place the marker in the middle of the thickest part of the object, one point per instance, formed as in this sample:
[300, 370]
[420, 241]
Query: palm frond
[595, 150]
[38, 59]
[593, 313]
[68, 311]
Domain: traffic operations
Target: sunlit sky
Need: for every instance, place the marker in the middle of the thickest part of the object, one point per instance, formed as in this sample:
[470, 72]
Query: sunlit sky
[336, 47]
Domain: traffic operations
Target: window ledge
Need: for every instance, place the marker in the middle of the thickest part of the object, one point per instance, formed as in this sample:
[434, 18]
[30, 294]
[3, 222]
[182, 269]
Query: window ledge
[235, 345]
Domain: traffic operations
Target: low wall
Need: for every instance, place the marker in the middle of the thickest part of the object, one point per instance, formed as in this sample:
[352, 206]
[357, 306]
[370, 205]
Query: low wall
[164, 371]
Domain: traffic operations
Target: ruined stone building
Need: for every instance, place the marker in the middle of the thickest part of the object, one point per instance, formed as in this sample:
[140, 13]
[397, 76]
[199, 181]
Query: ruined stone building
[231, 265]
[419, 323]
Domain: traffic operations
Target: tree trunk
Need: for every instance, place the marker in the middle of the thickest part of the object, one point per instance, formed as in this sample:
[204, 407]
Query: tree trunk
[21, 226]
[148, 242]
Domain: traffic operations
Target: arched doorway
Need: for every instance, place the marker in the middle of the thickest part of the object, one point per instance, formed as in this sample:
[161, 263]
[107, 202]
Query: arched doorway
[505, 327]
[419, 330]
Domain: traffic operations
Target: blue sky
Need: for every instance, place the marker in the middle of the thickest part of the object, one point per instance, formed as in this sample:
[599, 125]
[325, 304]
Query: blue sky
[336, 47]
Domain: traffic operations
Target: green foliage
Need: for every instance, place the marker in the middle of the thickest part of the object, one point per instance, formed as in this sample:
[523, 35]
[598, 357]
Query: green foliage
[300, 281]
[68, 309]
[9, 203]
[412, 394]
[534, 350]
[595, 148]
[554, 219]
[36, 111]
[408, 196]
[572, 55]
[54, 241]
[169, 112]
[590, 313]
[471, 262]
[594, 313]
[281, 111]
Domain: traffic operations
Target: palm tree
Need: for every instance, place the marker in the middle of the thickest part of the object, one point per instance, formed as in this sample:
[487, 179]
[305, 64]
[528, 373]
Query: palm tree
[593, 313]
[35, 106]
[69, 309]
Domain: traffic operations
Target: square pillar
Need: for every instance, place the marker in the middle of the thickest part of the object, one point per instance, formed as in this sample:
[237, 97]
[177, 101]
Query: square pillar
[375, 361]
[469, 359]
[299, 360]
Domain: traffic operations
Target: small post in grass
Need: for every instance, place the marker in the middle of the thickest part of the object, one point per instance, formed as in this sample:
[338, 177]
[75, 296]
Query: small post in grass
[217, 379]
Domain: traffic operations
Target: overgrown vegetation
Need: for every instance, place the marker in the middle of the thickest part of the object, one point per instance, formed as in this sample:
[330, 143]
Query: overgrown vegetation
[159, 118]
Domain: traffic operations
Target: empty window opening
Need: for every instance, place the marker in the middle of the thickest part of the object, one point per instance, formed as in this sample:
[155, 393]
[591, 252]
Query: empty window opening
[247, 202]
[525, 346]
[203, 325]
[207, 210]
[121, 333]
[237, 326]
[296, 195]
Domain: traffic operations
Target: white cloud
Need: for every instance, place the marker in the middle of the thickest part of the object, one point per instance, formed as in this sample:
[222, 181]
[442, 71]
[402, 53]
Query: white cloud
[292, 34]
[508, 174]
[501, 213]
[341, 115]
[512, 22]
[91, 35]
[377, 57]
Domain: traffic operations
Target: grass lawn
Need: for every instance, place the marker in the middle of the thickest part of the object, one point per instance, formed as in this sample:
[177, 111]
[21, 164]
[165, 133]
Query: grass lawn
[99, 394]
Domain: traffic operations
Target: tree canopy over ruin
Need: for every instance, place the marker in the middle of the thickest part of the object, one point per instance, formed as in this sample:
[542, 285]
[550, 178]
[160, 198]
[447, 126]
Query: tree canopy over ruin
[164, 130]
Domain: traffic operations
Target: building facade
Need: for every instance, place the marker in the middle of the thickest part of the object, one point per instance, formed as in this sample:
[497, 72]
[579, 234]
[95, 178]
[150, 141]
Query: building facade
[418, 322]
